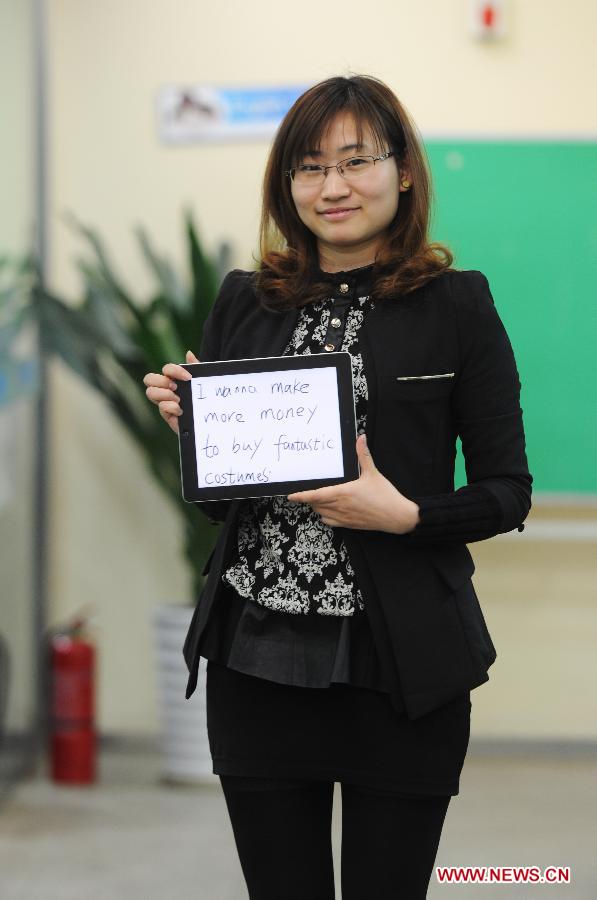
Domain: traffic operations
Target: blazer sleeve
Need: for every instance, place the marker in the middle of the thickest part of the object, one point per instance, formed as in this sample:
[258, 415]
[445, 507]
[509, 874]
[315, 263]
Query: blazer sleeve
[209, 351]
[488, 418]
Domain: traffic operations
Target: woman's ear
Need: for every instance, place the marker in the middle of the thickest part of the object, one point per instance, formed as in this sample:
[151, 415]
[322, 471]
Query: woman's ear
[405, 178]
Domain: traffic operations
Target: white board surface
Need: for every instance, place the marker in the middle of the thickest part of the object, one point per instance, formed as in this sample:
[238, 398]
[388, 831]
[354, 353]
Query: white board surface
[263, 427]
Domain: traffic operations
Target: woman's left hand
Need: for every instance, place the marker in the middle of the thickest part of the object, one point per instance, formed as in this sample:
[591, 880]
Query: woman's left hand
[371, 503]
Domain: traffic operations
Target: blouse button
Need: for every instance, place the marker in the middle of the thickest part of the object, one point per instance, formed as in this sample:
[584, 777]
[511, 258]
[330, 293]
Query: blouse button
[336, 322]
[343, 288]
[329, 347]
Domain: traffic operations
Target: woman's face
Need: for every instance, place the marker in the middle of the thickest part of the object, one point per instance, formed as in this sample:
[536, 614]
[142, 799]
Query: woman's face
[348, 218]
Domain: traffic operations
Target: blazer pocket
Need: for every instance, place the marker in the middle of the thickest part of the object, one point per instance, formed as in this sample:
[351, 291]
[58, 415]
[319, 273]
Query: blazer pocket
[418, 388]
[424, 377]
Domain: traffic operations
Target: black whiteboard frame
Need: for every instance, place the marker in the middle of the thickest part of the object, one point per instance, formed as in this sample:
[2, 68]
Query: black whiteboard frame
[340, 360]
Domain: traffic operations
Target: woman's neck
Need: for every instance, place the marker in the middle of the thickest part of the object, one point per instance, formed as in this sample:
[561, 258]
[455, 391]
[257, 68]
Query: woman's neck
[339, 261]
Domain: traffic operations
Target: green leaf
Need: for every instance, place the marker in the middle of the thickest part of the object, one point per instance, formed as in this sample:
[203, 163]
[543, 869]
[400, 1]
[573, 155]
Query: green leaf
[170, 285]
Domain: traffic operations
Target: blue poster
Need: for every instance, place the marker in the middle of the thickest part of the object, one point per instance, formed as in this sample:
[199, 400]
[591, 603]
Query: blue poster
[203, 113]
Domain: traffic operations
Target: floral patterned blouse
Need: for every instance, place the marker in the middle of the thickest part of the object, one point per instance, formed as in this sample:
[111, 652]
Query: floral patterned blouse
[287, 559]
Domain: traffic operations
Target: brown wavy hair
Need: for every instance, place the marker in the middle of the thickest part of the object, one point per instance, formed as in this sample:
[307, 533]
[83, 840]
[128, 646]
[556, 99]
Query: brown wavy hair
[287, 276]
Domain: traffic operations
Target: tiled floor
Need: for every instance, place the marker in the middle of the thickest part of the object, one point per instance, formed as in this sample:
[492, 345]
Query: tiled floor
[133, 837]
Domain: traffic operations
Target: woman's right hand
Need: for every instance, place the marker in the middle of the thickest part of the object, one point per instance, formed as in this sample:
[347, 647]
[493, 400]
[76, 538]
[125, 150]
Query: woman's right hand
[161, 389]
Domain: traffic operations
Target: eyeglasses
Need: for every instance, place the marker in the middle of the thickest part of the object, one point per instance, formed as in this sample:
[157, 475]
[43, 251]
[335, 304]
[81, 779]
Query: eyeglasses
[353, 168]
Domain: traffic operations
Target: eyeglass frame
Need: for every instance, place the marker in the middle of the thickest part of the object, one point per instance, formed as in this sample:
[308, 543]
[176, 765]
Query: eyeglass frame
[335, 166]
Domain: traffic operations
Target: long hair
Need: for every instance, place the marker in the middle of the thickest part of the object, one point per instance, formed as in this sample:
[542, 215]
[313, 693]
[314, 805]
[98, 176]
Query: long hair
[287, 277]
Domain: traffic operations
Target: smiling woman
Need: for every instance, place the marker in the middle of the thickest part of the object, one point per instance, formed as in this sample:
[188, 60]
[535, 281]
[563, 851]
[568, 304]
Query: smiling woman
[347, 205]
[348, 155]
[341, 627]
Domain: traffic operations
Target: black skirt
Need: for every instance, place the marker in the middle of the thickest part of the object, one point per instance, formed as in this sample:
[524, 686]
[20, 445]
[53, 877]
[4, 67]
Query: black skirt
[340, 733]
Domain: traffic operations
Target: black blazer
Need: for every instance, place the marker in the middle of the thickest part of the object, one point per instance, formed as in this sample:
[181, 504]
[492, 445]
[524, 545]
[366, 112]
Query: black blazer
[425, 618]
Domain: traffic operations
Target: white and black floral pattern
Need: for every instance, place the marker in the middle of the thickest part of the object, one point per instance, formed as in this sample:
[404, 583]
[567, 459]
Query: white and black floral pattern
[248, 530]
[336, 599]
[285, 595]
[240, 578]
[313, 548]
[271, 548]
[286, 559]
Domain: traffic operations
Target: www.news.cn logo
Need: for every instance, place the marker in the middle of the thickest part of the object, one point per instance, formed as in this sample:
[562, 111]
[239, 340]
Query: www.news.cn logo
[503, 875]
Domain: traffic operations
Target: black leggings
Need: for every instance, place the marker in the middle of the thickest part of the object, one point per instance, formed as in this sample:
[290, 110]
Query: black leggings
[282, 829]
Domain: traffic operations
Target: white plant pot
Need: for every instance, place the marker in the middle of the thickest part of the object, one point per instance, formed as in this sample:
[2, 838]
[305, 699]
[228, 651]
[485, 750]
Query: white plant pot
[183, 723]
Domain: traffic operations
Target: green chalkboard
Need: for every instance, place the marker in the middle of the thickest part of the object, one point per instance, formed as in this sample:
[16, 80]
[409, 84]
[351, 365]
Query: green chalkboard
[525, 214]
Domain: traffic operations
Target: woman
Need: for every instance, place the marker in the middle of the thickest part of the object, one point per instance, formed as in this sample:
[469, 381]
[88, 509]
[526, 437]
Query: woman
[341, 626]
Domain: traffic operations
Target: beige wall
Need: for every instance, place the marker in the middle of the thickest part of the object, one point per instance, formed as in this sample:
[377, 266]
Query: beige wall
[17, 418]
[17, 120]
[113, 541]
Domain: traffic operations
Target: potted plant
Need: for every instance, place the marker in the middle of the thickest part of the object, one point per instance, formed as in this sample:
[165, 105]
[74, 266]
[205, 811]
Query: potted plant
[110, 339]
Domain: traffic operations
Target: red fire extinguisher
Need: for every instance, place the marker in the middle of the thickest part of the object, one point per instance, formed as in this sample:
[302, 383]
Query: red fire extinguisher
[72, 706]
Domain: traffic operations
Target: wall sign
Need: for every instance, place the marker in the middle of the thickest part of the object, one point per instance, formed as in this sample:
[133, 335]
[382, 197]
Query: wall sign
[199, 113]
